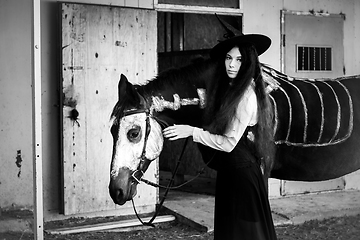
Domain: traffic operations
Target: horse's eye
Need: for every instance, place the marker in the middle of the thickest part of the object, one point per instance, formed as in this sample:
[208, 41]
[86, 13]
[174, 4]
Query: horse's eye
[134, 134]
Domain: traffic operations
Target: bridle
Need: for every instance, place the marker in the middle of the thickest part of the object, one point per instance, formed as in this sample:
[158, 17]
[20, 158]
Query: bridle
[137, 175]
[144, 161]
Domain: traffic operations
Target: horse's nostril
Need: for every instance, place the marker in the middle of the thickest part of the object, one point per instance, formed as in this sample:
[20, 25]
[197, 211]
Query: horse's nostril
[117, 196]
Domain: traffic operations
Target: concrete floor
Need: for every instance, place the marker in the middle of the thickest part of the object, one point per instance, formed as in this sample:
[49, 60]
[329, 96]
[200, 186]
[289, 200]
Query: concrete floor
[197, 210]
[194, 204]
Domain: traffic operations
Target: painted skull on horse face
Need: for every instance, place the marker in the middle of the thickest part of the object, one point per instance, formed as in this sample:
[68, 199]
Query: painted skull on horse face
[137, 140]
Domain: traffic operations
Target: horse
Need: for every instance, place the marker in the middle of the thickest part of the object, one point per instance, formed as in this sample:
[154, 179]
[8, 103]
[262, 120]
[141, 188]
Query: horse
[317, 123]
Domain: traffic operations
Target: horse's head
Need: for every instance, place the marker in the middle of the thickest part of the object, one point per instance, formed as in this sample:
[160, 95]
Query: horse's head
[137, 140]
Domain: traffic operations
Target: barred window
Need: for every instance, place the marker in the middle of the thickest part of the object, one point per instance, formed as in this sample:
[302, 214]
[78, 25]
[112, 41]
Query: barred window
[314, 58]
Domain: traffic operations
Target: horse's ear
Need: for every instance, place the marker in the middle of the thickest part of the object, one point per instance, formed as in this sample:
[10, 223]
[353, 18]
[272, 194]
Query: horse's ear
[124, 87]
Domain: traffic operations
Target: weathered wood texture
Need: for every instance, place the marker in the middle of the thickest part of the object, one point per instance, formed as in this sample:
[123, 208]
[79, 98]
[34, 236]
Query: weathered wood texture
[98, 44]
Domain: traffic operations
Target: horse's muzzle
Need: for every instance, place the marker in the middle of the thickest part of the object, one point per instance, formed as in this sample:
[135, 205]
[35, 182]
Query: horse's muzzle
[122, 188]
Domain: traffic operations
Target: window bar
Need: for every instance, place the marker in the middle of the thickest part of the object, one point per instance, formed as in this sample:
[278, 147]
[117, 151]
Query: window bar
[314, 59]
[320, 56]
[308, 50]
[325, 59]
[303, 59]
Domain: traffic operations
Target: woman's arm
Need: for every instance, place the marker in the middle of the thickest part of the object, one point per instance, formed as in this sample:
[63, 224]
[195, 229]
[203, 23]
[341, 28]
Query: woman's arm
[246, 116]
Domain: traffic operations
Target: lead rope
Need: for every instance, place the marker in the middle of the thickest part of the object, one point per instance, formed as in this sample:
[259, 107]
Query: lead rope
[180, 185]
[149, 223]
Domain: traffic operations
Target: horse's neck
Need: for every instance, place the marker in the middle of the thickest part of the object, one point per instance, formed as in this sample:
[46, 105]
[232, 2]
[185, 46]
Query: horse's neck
[183, 97]
[173, 106]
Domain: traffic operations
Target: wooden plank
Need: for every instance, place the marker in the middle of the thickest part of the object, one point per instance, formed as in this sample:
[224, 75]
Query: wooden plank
[146, 4]
[74, 143]
[37, 126]
[197, 9]
[98, 44]
[110, 225]
[211, 3]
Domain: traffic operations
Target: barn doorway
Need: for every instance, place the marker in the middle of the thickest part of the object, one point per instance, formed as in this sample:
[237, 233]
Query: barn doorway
[183, 38]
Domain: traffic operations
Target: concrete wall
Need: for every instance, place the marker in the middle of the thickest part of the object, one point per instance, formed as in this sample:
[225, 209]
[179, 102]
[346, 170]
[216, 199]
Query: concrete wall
[352, 48]
[353, 179]
[16, 94]
[264, 16]
[15, 104]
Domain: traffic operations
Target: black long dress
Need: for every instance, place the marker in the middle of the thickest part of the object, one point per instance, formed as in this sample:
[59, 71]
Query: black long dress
[242, 209]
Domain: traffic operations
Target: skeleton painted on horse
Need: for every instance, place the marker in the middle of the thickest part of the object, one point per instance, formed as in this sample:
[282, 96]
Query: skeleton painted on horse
[260, 119]
[316, 123]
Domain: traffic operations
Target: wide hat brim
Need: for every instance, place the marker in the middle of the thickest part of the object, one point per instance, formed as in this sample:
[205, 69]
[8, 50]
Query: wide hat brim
[259, 41]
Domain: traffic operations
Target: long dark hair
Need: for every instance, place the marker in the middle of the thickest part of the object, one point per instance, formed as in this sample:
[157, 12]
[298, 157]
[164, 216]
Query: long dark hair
[225, 94]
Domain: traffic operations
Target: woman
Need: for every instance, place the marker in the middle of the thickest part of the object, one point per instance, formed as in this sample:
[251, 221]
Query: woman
[238, 125]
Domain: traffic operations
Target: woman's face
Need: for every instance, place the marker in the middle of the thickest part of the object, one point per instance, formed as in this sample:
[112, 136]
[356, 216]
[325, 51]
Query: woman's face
[233, 62]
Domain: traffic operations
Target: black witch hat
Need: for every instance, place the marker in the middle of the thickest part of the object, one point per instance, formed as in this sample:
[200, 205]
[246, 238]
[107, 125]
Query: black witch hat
[234, 37]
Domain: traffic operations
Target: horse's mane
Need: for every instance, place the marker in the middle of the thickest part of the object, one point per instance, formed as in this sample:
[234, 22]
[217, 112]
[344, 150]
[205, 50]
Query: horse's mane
[195, 74]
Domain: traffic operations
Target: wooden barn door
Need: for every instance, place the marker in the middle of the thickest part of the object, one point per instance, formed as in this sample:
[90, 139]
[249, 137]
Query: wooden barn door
[98, 44]
[313, 48]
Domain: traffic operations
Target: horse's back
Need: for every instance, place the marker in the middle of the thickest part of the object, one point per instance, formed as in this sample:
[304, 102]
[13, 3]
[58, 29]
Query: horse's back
[316, 131]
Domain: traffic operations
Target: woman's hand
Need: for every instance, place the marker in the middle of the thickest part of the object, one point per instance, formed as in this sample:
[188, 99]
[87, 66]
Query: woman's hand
[176, 132]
